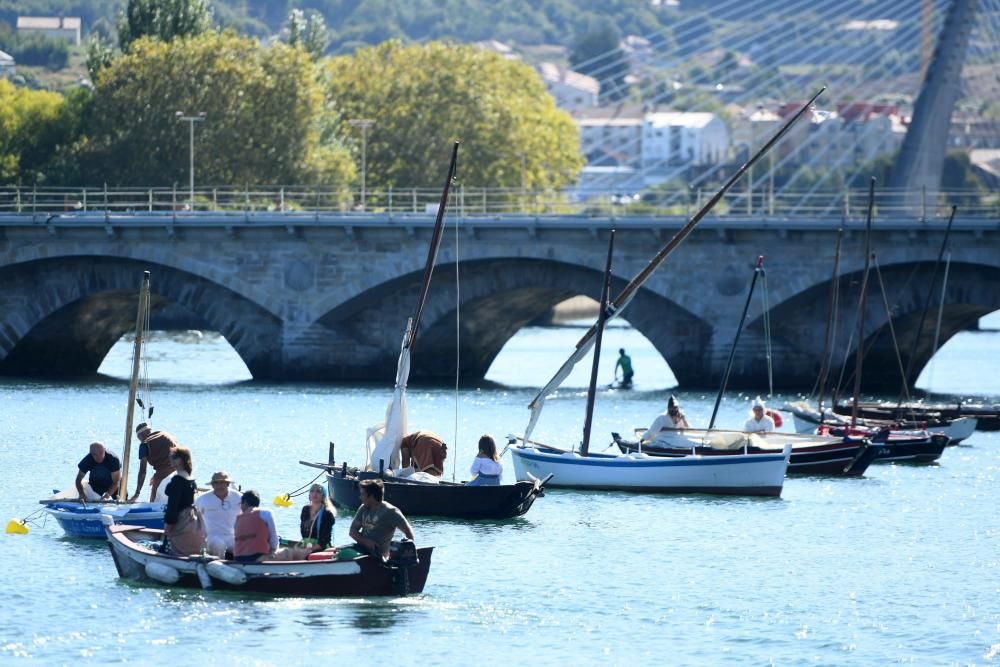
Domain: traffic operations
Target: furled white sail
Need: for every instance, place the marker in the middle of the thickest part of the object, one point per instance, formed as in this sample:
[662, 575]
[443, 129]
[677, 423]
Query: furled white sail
[384, 439]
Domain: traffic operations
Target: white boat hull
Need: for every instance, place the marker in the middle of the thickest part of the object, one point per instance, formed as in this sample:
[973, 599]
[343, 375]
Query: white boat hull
[808, 420]
[754, 474]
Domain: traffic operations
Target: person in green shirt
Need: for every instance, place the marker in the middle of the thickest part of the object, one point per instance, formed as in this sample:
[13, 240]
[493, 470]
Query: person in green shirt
[376, 520]
[625, 363]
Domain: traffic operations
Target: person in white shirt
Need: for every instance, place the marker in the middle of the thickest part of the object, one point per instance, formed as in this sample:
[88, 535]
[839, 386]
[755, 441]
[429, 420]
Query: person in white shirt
[759, 422]
[672, 418]
[486, 466]
[219, 510]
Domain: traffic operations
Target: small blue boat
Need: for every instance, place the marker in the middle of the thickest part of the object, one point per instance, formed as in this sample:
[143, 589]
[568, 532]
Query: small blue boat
[89, 520]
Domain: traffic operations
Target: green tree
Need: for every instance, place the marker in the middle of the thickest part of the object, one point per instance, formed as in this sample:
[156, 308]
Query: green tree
[163, 19]
[37, 129]
[422, 97]
[264, 115]
[307, 32]
[598, 53]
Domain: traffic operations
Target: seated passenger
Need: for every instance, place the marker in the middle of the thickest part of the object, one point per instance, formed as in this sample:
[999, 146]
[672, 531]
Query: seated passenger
[255, 537]
[486, 466]
[425, 451]
[317, 519]
[376, 520]
[759, 422]
[673, 418]
[105, 473]
[219, 509]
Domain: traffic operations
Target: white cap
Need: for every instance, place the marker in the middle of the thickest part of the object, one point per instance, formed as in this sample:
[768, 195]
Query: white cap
[757, 403]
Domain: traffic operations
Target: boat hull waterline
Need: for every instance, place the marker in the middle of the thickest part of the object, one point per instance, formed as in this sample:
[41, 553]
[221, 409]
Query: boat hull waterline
[459, 501]
[745, 475]
[359, 577]
[88, 520]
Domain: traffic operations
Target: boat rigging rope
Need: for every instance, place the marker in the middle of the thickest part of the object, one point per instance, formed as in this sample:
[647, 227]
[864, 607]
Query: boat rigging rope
[146, 400]
[458, 336]
[937, 329]
[767, 333]
[892, 329]
[304, 488]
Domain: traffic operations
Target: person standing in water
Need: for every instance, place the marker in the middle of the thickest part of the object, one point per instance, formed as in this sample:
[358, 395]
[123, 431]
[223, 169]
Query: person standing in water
[625, 363]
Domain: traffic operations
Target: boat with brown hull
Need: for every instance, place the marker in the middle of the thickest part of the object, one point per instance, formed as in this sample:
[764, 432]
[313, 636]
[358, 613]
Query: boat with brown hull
[811, 455]
[137, 559]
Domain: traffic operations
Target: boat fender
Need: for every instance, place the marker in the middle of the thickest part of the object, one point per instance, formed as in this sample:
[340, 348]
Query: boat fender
[162, 572]
[226, 573]
[203, 578]
[776, 416]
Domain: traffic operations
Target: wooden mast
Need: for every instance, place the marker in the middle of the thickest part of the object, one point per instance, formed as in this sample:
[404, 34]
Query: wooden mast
[602, 318]
[758, 270]
[860, 355]
[825, 360]
[140, 326]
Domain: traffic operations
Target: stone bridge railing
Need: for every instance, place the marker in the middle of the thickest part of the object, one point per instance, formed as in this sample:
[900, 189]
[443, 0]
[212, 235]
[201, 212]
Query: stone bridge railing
[845, 204]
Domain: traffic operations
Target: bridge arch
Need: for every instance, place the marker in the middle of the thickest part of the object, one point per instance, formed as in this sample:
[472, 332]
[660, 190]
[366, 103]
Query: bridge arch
[496, 298]
[65, 313]
[798, 324]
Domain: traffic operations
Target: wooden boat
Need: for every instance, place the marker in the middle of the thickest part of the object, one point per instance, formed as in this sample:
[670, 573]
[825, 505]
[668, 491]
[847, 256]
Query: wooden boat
[811, 455]
[78, 520]
[88, 520]
[808, 420]
[136, 558]
[447, 499]
[458, 500]
[737, 474]
[987, 416]
[897, 445]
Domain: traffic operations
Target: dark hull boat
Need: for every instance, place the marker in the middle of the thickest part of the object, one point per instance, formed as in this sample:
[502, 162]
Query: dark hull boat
[447, 499]
[987, 416]
[809, 420]
[816, 455]
[900, 446]
[136, 559]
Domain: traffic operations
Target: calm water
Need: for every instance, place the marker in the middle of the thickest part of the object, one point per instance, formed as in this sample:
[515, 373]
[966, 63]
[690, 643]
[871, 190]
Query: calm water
[902, 566]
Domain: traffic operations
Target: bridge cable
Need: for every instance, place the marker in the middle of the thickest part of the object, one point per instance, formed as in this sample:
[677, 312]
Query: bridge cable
[892, 329]
[937, 329]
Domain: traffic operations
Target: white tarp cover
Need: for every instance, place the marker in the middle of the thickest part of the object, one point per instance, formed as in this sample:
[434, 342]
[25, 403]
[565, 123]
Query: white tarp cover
[383, 439]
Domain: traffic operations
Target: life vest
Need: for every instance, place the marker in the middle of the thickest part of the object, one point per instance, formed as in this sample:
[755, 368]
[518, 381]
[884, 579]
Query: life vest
[252, 535]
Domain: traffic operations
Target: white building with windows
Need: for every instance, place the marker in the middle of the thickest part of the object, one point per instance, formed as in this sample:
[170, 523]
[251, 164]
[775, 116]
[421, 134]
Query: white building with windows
[680, 138]
[571, 90]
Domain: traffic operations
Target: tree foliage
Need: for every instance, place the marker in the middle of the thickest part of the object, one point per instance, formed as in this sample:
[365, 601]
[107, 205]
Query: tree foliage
[307, 32]
[264, 115]
[37, 129]
[424, 97]
[163, 19]
[597, 53]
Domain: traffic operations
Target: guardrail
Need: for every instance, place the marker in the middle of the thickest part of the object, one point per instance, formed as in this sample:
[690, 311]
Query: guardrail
[466, 201]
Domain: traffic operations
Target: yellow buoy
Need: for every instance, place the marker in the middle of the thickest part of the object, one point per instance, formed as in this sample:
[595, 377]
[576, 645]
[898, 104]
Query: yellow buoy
[282, 500]
[17, 527]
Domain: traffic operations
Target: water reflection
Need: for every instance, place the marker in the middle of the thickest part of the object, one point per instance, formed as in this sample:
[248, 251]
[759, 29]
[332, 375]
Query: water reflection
[382, 617]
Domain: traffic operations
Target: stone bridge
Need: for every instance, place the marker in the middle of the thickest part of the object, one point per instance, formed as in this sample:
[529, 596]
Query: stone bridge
[326, 297]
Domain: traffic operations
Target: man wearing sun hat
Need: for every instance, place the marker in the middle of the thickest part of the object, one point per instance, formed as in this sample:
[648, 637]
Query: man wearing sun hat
[759, 422]
[220, 509]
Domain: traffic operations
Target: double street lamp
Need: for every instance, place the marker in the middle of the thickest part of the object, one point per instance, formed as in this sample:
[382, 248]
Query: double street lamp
[191, 120]
[364, 124]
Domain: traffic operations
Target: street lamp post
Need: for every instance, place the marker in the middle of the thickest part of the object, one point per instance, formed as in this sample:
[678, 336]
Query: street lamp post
[364, 124]
[191, 120]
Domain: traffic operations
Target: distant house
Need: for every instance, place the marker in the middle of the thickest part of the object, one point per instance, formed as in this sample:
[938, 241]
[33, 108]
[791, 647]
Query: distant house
[6, 65]
[672, 138]
[59, 27]
[571, 90]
